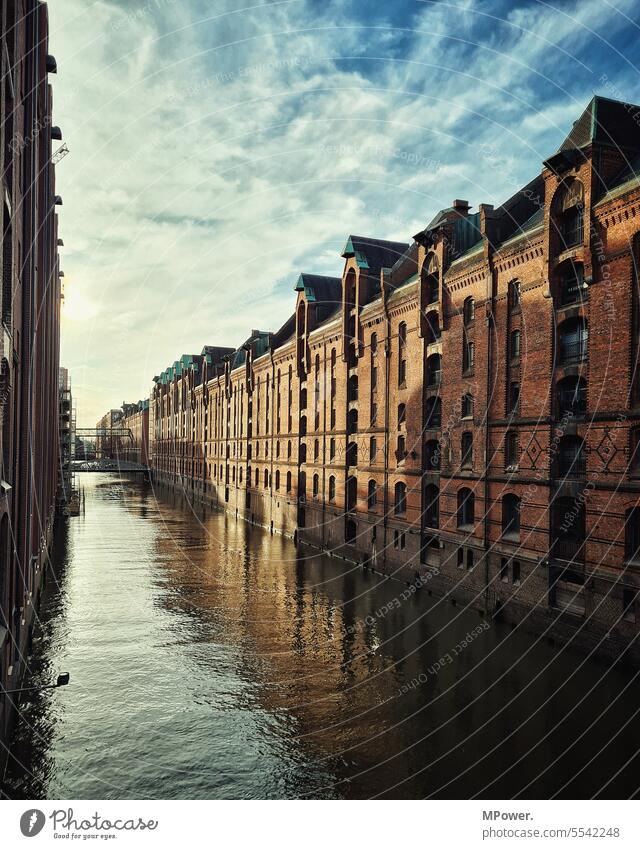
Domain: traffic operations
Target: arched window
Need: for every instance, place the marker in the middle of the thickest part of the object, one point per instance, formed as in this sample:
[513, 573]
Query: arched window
[468, 356]
[288, 481]
[432, 455]
[431, 506]
[511, 451]
[332, 488]
[572, 396]
[510, 515]
[352, 492]
[432, 327]
[266, 478]
[469, 310]
[303, 399]
[433, 413]
[303, 425]
[372, 495]
[571, 457]
[573, 338]
[430, 281]
[632, 535]
[374, 344]
[332, 448]
[567, 215]
[402, 354]
[277, 478]
[402, 415]
[466, 406]
[433, 370]
[514, 295]
[316, 449]
[466, 508]
[289, 449]
[257, 475]
[568, 529]
[466, 449]
[401, 449]
[373, 449]
[514, 397]
[400, 503]
[352, 454]
[303, 452]
[302, 486]
[514, 345]
[316, 485]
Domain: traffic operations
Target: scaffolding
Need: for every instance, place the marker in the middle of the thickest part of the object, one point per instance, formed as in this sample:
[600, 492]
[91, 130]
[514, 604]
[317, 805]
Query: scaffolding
[68, 496]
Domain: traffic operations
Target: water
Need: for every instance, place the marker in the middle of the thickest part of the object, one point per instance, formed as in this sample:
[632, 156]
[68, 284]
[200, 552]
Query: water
[209, 659]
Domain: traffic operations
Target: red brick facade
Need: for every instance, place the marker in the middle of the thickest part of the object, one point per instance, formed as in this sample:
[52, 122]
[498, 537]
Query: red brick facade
[29, 333]
[461, 408]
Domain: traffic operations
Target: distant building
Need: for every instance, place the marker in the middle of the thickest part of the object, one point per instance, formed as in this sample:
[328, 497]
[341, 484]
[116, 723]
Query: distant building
[123, 434]
[462, 409]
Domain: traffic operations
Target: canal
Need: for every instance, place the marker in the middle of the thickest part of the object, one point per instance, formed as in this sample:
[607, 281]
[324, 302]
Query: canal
[209, 659]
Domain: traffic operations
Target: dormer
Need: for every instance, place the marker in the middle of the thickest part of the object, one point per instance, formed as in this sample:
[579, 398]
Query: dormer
[318, 298]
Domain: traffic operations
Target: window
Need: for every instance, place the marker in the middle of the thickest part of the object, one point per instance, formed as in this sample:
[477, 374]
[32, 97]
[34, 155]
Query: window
[634, 450]
[316, 485]
[257, 475]
[504, 570]
[332, 448]
[574, 335]
[433, 413]
[514, 295]
[373, 449]
[632, 535]
[571, 282]
[433, 370]
[430, 280]
[465, 512]
[469, 559]
[396, 538]
[567, 209]
[460, 558]
[402, 415]
[266, 478]
[288, 481]
[511, 451]
[514, 397]
[431, 506]
[466, 449]
[511, 515]
[400, 504]
[374, 343]
[571, 457]
[277, 479]
[515, 571]
[401, 450]
[352, 492]
[431, 327]
[432, 455]
[514, 347]
[468, 356]
[372, 495]
[629, 595]
[289, 449]
[467, 406]
[332, 488]
[316, 449]
[303, 425]
[572, 397]
[469, 310]
[374, 413]
[303, 452]
[568, 527]
[402, 353]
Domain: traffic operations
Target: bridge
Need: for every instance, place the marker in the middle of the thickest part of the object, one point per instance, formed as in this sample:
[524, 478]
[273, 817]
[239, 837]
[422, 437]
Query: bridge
[107, 464]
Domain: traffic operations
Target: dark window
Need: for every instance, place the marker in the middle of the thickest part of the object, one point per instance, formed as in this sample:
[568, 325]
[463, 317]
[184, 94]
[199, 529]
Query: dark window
[402, 415]
[515, 345]
[511, 449]
[511, 515]
[568, 205]
[467, 406]
[469, 559]
[277, 478]
[514, 397]
[469, 310]
[433, 413]
[574, 335]
[466, 449]
[332, 488]
[466, 505]
[372, 495]
[572, 396]
[432, 455]
[332, 448]
[568, 529]
[468, 356]
[401, 450]
[316, 486]
[266, 478]
[432, 327]
[433, 370]
[629, 595]
[288, 481]
[634, 450]
[400, 504]
[374, 343]
[373, 449]
[514, 295]
[572, 288]
[571, 457]
[515, 571]
[504, 570]
[460, 558]
[632, 535]
[303, 452]
[431, 506]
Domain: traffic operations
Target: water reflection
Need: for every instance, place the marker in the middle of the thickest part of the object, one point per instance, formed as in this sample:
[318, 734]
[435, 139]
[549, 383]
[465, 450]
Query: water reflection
[212, 660]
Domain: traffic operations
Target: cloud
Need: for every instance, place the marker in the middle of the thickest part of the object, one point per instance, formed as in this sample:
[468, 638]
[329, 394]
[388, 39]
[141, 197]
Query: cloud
[216, 153]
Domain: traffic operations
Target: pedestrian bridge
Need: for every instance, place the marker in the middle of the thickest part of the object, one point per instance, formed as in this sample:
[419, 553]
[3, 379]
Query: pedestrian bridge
[106, 464]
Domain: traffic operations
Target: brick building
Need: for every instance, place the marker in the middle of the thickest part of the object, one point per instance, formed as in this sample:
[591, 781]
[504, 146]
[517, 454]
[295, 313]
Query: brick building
[29, 333]
[123, 434]
[464, 407]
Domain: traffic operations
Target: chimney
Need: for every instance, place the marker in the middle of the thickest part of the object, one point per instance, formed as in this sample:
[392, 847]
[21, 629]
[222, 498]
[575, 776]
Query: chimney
[461, 207]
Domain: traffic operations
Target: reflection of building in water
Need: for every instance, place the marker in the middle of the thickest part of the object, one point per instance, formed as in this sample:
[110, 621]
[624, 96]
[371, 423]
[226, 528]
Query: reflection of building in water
[444, 404]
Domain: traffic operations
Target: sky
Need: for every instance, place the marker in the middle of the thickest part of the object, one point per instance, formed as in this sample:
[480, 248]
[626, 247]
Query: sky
[218, 148]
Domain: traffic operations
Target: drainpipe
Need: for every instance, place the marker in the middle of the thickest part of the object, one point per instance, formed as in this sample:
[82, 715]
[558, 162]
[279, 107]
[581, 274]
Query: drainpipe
[271, 428]
[387, 368]
[488, 219]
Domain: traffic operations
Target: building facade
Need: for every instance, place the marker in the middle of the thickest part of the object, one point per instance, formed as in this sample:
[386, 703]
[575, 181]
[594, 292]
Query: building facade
[462, 409]
[29, 334]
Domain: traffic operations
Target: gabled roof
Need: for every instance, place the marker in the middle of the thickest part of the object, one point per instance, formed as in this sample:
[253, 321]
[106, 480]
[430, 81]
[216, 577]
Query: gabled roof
[608, 122]
[373, 254]
[325, 292]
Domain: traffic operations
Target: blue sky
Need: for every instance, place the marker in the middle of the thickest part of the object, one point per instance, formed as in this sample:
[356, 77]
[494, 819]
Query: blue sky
[218, 148]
